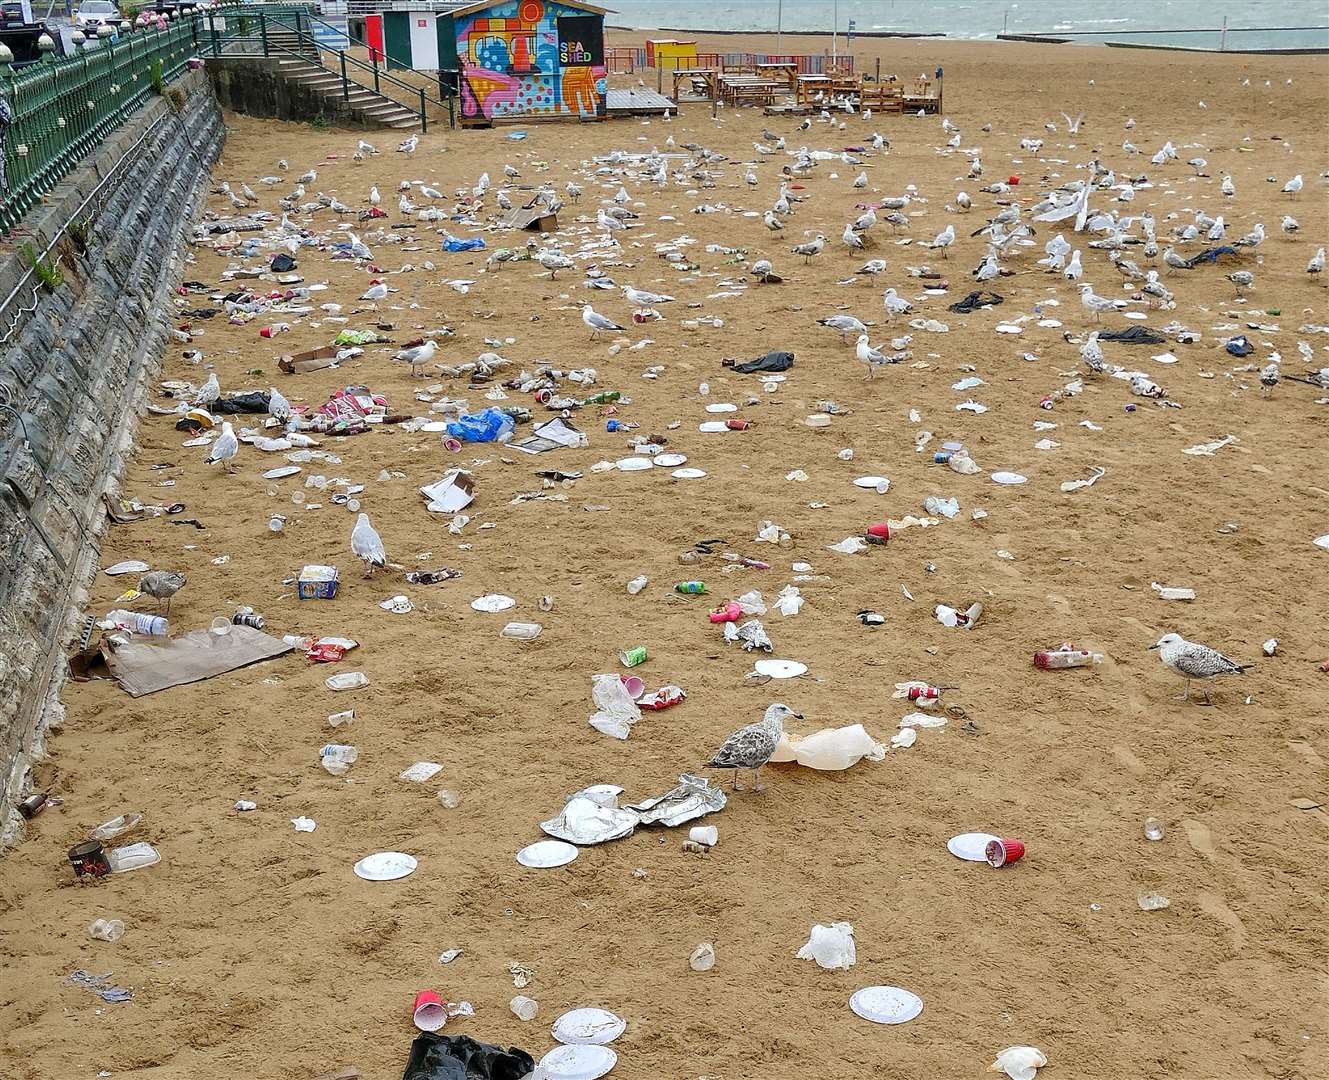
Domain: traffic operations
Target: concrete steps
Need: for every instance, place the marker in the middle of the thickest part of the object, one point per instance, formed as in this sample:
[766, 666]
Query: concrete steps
[370, 107]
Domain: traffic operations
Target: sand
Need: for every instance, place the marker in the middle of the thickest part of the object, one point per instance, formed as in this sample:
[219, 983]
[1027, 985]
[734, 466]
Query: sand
[254, 952]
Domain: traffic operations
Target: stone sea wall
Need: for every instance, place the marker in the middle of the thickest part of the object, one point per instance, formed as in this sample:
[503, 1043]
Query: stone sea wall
[75, 362]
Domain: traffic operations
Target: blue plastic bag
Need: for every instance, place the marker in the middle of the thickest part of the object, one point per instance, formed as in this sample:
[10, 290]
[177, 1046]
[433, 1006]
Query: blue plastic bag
[488, 426]
[454, 243]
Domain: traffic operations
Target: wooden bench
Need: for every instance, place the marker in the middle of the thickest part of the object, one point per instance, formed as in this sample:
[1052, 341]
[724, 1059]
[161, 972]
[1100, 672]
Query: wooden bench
[701, 82]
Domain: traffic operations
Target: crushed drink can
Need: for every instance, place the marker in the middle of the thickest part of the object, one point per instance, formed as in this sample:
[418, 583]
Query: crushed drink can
[923, 693]
[249, 618]
[633, 656]
[738, 424]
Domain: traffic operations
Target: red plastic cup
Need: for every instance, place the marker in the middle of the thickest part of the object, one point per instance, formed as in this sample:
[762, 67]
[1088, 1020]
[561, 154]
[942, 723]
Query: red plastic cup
[633, 685]
[430, 1012]
[1004, 852]
[452, 444]
[1013, 180]
[265, 332]
[738, 424]
[880, 529]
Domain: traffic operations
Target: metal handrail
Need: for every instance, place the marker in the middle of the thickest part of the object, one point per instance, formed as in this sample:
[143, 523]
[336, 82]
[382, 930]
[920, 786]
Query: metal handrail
[345, 62]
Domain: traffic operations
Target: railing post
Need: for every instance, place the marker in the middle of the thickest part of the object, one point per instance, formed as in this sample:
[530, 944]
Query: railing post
[345, 86]
[373, 58]
[263, 31]
[424, 120]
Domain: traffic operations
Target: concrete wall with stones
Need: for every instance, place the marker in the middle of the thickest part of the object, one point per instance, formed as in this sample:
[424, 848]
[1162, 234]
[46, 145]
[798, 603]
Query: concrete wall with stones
[255, 86]
[75, 366]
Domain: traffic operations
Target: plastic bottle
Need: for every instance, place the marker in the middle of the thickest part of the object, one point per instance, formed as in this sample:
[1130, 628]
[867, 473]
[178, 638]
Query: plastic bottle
[140, 623]
[338, 758]
[449, 799]
[1153, 829]
[524, 1008]
[521, 631]
[107, 929]
[1065, 657]
[604, 397]
[276, 523]
[691, 588]
[297, 641]
[637, 584]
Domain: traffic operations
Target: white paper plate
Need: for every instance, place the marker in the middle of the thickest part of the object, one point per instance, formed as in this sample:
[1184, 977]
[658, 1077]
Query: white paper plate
[886, 1004]
[668, 461]
[1138, 316]
[878, 483]
[770, 376]
[721, 406]
[492, 602]
[129, 566]
[1049, 323]
[1164, 358]
[687, 474]
[634, 464]
[385, 866]
[202, 440]
[780, 669]
[546, 853]
[970, 846]
[434, 425]
[281, 472]
[588, 1027]
[581, 1062]
[712, 426]
[1009, 328]
[1008, 478]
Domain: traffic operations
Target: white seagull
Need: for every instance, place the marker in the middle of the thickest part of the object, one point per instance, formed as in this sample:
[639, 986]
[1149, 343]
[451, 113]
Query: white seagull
[1191, 660]
[418, 356]
[367, 544]
[596, 321]
[225, 448]
[944, 239]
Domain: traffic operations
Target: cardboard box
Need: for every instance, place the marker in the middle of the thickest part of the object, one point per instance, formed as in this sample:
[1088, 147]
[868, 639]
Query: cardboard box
[312, 360]
[317, 582]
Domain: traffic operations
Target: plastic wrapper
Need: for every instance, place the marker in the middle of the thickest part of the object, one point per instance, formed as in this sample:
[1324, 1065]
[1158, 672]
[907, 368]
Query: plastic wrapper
[615, 710]
[831, 749]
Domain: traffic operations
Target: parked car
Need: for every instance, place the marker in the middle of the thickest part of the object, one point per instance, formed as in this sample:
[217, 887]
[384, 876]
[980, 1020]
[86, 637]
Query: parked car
[94, 13]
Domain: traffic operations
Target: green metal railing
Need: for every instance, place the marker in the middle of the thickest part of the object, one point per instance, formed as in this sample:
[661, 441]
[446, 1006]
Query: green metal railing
[60, 109]
[284, 30]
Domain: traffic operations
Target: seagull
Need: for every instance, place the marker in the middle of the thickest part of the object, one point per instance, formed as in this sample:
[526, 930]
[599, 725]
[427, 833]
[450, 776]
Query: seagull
[1175, 261]
[963, 201]
[209, 392]
[596, 321]
[1293, 185]
[752, 746]
[225, 448]
[1191, 660]
[861, 180]
[374, 197]
[1227, 187]
[366, 148]
[844, 325]
[872, 268]
[1154, 288]
[418, 356]
[161, 585]
[944, 239]
[1289, 224]
[376, 291]
[367, 544]
[553, 261]
[895, 304]
[407, 146]
[1252, 239]
[1073, 268]
[772, 222]
[1091, 352]
[1095, 303]
[1269, 376]
[573, 191]
[851, 239]
[866, 220]
[1316, 265]
[278, 407]
[811, 248]
[644, 299]
[866, 354]
[1242, 279]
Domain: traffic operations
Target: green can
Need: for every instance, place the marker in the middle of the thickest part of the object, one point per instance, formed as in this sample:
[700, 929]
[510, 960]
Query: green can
[691, 588]
[634, 656]
[604, 397]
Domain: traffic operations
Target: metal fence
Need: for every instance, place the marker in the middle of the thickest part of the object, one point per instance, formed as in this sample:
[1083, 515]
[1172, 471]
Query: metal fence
[54, 112]
[629, 59]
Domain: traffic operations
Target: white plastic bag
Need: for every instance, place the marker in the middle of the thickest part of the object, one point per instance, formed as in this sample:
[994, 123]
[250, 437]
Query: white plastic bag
[751, 603]
[615, 710]
[831, 749]
[832, 947]
[1019, 1062]
[789, 600]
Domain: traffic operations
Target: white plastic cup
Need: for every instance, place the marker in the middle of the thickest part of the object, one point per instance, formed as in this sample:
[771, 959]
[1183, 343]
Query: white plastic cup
[524, 1008]
[107, 929]
[704, 834]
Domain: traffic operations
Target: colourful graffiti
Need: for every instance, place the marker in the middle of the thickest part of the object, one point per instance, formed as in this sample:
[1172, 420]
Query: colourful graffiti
[531, 57]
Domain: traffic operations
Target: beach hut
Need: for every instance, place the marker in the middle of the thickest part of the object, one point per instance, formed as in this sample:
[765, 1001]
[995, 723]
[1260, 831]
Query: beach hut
[528, 59]
[417, 40]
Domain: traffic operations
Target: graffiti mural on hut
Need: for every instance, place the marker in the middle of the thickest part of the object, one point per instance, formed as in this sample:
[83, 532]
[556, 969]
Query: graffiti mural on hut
[531, 57]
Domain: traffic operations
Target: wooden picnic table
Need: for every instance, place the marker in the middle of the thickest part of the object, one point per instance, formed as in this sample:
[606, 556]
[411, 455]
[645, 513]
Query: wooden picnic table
[808, 86]
[692, 76]
[786, 70]
[747, 89]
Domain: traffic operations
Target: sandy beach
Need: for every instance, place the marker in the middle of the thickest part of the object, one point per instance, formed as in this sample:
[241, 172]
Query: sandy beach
[253, 951]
